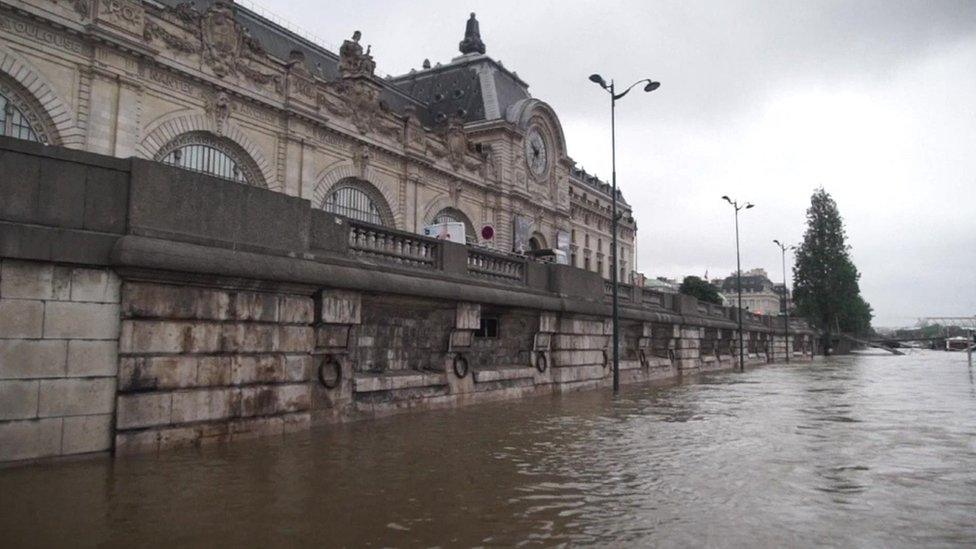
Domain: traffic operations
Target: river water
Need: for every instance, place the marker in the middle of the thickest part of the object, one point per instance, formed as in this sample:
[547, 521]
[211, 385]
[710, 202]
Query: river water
[853, 451]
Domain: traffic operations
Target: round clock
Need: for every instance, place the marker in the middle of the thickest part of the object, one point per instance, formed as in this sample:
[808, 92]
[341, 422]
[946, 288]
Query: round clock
[536, 156]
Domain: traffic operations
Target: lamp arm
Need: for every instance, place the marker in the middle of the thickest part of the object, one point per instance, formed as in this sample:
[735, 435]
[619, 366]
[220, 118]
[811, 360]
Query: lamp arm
[623, 93]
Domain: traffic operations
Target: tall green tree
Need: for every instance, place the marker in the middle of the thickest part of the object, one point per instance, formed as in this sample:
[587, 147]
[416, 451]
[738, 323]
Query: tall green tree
[825, 280]
[702, 289]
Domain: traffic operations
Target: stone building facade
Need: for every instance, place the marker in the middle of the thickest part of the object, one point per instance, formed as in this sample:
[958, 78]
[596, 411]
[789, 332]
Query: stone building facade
[212, 87]
[759, 294]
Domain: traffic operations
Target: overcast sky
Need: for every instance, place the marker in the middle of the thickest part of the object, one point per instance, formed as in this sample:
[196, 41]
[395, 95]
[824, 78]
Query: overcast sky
[763, 101]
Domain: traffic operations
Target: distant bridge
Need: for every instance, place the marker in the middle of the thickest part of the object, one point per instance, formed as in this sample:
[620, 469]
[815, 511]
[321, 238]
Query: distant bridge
[965, 322]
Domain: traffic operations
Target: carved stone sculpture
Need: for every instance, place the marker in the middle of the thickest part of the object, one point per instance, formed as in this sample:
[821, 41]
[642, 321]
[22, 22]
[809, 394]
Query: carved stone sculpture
[353, 62]
[227, 46]
[218, 107]
[472, 38]
[358, 99]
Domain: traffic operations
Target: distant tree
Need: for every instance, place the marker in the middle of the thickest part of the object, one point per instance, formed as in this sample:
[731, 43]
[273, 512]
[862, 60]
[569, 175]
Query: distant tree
[825, 280]
[702, 289]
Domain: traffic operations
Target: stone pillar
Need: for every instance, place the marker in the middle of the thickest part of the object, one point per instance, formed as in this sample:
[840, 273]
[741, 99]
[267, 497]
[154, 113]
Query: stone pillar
[128, 123]
[688, 345]
[457, 360]
[581, 351]
[540, 356]
[103, 113]
[59, 331]
[337, 314]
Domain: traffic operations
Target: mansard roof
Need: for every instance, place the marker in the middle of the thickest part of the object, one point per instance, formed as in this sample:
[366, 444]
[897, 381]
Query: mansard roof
[472, 86]
[597, 184]
[279, 42]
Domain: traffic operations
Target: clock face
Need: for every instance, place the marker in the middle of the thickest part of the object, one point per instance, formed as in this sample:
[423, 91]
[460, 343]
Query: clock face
[536, 155]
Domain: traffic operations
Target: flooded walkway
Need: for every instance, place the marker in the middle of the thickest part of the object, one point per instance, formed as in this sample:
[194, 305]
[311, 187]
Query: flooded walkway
[868, 450]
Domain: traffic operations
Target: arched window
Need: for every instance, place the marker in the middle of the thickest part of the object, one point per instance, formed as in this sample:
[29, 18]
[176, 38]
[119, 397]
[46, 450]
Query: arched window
[537, 242]
[213, 155]
[17, 117]
[452, 215]
[357, 199]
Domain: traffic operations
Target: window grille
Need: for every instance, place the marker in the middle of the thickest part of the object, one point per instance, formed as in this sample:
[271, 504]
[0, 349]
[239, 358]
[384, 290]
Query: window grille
[206, 159]
[13, 121]
[353, 203]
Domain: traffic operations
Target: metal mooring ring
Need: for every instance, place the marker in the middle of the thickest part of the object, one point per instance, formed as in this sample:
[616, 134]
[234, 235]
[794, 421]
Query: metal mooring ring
[643, 358]
[541, 362]
[671, 355]
[460, 365]
[336, 379]
[606, 359]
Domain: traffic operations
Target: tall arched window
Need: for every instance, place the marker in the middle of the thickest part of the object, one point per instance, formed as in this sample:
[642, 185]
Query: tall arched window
[357, 199]
[213, 155]
[18, 118]
[452, 215]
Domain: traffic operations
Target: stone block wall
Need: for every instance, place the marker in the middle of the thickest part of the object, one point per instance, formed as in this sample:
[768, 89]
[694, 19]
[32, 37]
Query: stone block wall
[58, 344]
[511, 347]
[400, 334]
[199, 365]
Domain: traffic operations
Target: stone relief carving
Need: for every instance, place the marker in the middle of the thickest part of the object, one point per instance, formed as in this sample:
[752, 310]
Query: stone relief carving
[358, 100]
[456, 146]
[81, 7]
[360, 159]
[454, 190]
[123, 14]
[226, 45]
[154, 31]
[218, 106]
[416, 137]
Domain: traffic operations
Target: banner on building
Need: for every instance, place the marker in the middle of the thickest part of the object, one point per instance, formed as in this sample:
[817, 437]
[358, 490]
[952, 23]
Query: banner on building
[522, 233]
[562, 244]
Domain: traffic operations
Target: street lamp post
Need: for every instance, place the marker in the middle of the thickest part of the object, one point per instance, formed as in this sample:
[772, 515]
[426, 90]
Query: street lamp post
[615, 219]
[785, 298]
[738, 273]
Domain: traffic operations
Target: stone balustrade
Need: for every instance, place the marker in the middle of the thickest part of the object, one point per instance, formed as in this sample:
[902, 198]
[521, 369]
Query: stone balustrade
[394, 246]
[483, 263]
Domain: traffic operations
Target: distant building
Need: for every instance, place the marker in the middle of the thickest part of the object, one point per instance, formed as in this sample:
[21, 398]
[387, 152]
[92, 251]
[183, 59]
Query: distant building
[662, 284]
[759, 294]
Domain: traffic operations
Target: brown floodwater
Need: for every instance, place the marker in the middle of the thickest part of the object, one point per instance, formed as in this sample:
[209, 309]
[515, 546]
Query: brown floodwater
[854, 451]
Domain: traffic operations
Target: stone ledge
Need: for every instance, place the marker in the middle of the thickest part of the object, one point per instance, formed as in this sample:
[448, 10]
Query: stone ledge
[367, 383]
[567, 374]
[503, 374]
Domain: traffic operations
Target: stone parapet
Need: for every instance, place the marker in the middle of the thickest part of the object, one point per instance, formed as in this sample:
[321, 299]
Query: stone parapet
[173, 309]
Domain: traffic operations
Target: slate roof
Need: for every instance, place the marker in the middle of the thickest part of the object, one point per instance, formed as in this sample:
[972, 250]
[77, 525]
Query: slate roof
[750, 283]
[597, 184]
[279, 42]
[455, 89]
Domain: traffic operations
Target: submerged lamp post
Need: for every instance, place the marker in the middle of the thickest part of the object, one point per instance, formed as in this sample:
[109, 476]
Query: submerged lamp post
[650, 86]
[786, 299]
[738, 273]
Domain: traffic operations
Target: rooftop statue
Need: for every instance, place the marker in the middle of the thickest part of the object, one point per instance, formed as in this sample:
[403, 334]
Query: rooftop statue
[472, 38]
[353, 62]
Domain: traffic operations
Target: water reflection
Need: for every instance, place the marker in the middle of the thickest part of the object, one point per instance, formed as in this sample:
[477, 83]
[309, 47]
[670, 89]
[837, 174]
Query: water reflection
[856, 451]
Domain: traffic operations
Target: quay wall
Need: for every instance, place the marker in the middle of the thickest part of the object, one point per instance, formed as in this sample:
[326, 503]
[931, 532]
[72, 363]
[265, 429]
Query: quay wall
[143, 308]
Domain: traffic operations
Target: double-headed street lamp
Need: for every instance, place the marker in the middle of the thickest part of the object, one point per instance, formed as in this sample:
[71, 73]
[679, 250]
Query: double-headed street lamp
[738, 272]
[649, 87]
[785, 298]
